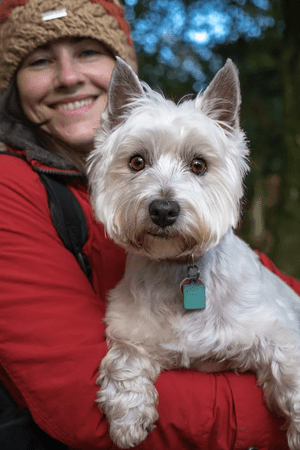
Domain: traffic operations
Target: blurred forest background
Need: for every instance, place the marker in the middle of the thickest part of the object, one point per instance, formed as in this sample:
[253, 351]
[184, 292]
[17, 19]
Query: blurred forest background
[180, 46]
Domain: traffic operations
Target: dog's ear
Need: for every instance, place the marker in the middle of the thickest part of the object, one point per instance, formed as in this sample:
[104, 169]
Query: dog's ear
[222, 99]
[123, 88]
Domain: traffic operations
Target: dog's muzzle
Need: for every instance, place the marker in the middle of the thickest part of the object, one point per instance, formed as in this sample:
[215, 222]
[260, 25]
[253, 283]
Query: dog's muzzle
[164, 213]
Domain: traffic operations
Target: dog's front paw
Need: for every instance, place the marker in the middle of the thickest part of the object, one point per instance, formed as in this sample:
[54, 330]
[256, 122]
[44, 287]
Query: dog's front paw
[293, 436]
[127, 396]
[134, 427]
[130, 410]
[293, 433]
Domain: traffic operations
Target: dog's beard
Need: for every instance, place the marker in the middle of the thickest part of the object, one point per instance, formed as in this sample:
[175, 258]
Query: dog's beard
[162, 246]
[162, 243]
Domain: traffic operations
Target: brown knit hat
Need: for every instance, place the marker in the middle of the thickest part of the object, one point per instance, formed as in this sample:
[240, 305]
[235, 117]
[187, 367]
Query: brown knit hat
[27, 24]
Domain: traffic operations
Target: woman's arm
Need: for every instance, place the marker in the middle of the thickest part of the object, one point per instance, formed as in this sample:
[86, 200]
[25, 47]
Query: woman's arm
[51, 330]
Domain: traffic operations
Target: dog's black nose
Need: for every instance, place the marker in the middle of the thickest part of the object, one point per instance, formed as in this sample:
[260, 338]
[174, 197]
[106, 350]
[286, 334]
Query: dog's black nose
[164, 212]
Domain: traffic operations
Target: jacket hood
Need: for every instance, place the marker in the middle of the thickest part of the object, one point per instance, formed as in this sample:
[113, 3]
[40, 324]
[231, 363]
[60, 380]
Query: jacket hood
[14, 133]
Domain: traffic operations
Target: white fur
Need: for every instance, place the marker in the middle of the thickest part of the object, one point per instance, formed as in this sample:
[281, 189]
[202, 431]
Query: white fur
[251, 319]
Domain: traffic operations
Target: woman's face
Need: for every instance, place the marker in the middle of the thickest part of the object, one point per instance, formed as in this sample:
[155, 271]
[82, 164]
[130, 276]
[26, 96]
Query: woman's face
[65, 83]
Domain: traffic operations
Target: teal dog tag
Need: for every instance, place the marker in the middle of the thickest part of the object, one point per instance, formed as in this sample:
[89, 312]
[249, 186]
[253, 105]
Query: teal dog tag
[194, 295]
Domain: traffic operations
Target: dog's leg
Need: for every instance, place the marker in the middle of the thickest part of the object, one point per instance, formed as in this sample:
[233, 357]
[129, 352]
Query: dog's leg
[127, 396]
[278, 371]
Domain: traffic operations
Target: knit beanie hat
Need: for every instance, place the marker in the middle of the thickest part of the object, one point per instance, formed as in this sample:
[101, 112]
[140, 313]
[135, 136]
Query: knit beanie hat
[28, 24]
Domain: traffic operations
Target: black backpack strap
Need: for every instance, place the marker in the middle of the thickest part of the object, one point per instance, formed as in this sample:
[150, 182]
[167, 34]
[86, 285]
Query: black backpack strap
[67, 215]
[68, 219]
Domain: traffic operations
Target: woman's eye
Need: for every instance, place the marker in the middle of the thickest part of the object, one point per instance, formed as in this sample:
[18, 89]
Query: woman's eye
[137, 163]
[40, 62]
[89, 53]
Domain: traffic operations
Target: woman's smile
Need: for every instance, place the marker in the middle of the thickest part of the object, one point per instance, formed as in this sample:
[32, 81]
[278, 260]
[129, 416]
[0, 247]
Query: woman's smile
[73, 105]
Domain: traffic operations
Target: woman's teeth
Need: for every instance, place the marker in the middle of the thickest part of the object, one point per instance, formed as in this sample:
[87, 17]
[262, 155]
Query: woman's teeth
[75, 105]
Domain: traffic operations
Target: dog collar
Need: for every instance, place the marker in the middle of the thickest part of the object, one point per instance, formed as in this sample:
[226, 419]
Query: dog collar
[189, 258]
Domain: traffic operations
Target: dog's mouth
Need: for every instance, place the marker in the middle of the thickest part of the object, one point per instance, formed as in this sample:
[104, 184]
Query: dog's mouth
[163, 234]
[160, 236]
[151, 238]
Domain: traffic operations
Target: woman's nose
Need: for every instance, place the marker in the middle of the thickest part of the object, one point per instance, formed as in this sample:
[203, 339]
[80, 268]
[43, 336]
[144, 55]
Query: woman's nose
[68, 72]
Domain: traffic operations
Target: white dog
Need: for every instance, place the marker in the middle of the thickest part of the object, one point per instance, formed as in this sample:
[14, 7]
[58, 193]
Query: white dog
[167, 182]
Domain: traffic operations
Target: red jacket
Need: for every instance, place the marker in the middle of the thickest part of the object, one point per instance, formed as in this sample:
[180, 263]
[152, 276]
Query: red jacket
[52, 336]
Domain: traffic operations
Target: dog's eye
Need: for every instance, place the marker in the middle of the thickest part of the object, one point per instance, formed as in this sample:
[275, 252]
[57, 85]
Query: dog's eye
[137, 163]
[198, 166]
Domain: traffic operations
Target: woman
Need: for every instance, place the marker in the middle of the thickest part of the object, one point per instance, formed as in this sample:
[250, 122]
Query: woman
[55, 65]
